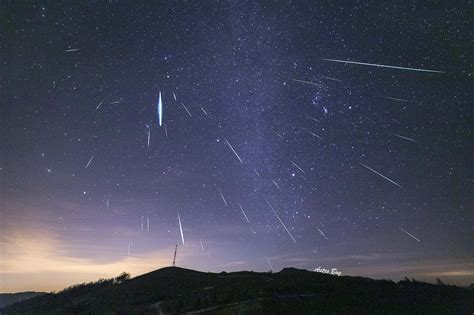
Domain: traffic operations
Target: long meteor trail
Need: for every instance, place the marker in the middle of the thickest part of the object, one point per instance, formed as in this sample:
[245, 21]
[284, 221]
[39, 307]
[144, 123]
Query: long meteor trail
[160, 110]
[297, 166]
[181, 229]
[411, 235]
[222, 196]
[402, 137]
[148, 142]
[100, 104]
[307, 82]
[232, 148]
[381, 175]
[243, 212]
[279, 219]
[382, 66]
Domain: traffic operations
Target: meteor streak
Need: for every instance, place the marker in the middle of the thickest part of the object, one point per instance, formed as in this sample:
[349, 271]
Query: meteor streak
[296, 165]
[187, 110]
[174, 95]
[203, 110]
[397, 99]
[324, 235]
[181, 228]
[307, 82]
[202, 247]
[382, 66]
[90, 160]
[160, 110]
[278, 217]
[100, 104]
[243, 212]
[279, 135]
[381, 175]
[314, 135]
[129, 248]
[73, 49]
[410, 235]
[276, 184]
[222, 196]
[148, 142]
[312, 118]
[230, 146]
[269, 264]
[402, 137]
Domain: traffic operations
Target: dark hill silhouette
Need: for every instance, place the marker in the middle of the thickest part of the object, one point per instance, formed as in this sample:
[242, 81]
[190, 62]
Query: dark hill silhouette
[175, 290]
[10, 298]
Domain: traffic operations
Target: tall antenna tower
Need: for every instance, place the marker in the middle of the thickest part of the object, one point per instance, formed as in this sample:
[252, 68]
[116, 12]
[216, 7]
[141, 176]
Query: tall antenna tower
[174, 257]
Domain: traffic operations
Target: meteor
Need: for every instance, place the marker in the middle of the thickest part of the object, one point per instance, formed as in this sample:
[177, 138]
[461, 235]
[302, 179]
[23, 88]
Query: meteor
[312, 118]
[269, 264]
[402, 137]
[230, 146]
[397, 99]
[187, 110]
[382, 66]
[148, 143]
[256, 172]
[129, 248]
[307, 82]
[279, 135]
[410, 235]
[274, 182]
[181, 229]
[160, 110]
[322, 233]
[73, 49]
[100, 104]
[296, 165]
[203, 110]
[243, 212]
[314, 135]
[90, 160]
[202, 247]
[381, 175]
[222, 196]
[166, 132]
[174, 95]
[278, 217]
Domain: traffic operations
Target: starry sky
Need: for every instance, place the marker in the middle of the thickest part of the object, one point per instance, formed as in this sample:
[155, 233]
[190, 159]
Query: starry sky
[272, 155]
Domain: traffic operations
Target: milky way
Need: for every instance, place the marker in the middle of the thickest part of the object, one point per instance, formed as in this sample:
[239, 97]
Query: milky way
[379, 158]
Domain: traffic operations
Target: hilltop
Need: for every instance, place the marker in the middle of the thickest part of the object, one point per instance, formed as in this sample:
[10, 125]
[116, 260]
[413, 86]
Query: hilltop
[174, 290]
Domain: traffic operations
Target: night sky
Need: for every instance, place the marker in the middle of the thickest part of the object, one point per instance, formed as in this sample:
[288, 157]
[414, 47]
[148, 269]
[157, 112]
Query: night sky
[272, 155]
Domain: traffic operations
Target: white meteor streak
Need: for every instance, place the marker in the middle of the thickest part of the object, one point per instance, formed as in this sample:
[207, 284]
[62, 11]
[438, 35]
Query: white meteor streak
[148, 224]
[314, 135]
[256, 172]
[90, 160]
[174, 95]
[187, 110]
[269, 264]
[107, 203]
[148, 142]
[332, 79]
[276, 184]
[222, 196]
[181, 228]
[232, 148]
[278, 217]
[243, 212]
[202, 247]
[129, 248]
[100, 104]
[397, 99]
[382, 66]
[410, 234]
[307, 82]
[312, 118]
[402, 137]
[115, 102]
[73, 49]
[160, 110]
[142, 223]
[166, 132]
[296, 165]
[324, 235]
[279, 135]
[381, 175]
[203, 110]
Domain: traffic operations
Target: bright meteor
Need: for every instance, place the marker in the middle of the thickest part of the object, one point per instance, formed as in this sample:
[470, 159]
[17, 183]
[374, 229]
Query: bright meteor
[160, 110]
[383, 66]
